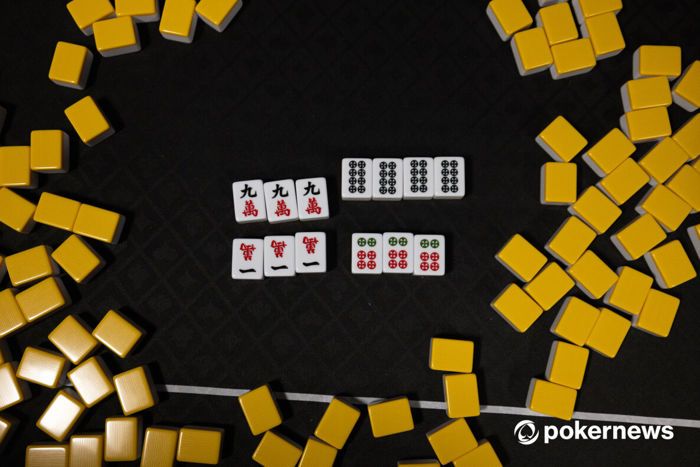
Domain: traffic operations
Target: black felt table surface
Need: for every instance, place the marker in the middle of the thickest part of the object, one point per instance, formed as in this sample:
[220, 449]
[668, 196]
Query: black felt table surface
[287, 91]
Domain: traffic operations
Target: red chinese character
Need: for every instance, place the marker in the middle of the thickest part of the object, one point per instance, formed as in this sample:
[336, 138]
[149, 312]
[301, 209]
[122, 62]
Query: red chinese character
[282, 209]
[250, 209]
[313, 207]
[247, 251]
[310, 243]
[278, 247]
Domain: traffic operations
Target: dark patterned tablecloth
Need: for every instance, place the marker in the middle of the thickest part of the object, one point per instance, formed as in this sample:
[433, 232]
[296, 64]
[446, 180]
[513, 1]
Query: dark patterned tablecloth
[288, 90]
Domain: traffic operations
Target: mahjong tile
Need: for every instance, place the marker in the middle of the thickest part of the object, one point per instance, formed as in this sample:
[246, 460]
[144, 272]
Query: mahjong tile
[279, 256]
[449, 178]
[281, 201]
[366, 253]
[356, 179]
[249, 201]
[312, 198]
[418, 178]
[310, 252]
[429, 255]
[247, 258]
[398, 252]
[387, 179]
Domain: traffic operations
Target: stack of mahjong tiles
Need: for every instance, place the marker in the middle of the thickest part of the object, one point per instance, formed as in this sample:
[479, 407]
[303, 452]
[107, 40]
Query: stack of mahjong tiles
[47, 153]
[37, 289]
[70, 67]
[38, 292]
[670, 169]
[454, 441]
[387, 417]
[115, 30]
[555, 43]
[670, 166]
[114, 27]
[332, 432]
[90, 381]
[124, 440]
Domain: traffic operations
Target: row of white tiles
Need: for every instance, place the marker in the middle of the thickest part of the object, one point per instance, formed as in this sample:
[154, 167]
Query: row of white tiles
[279, 255]
[398, 253]
[396, 179]
[305, 252]
[280, 200]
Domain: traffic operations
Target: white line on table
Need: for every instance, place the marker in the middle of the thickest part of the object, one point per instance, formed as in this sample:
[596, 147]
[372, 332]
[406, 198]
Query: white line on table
[435, 405]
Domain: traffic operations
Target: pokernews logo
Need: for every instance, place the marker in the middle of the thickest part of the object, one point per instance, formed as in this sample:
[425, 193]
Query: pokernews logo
[526, 432]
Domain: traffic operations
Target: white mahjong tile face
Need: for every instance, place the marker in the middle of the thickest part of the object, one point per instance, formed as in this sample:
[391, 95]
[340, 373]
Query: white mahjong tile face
[312, 198]
[356, 179]
[247, 258]
[418, 178]
[366, 253]
[310, 252]
[281, 201]
[449, 178]
[279, 256]
[398, 252]
[387, 183]
[429, 255]
[249, 201]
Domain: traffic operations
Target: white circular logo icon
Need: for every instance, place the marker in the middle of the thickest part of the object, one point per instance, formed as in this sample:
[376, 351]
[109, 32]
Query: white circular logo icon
[526, 432]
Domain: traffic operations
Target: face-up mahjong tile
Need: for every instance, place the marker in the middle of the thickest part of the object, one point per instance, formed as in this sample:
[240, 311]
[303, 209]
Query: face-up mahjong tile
[387, 183]
[281, 201]
[310, 252]
[279, 256]
[429, 255]
[312, 198]
[247, 258]
[366, 253]
[356, 179]
[449, 178]
[418, 178]
[398, 252]
[249, 201]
